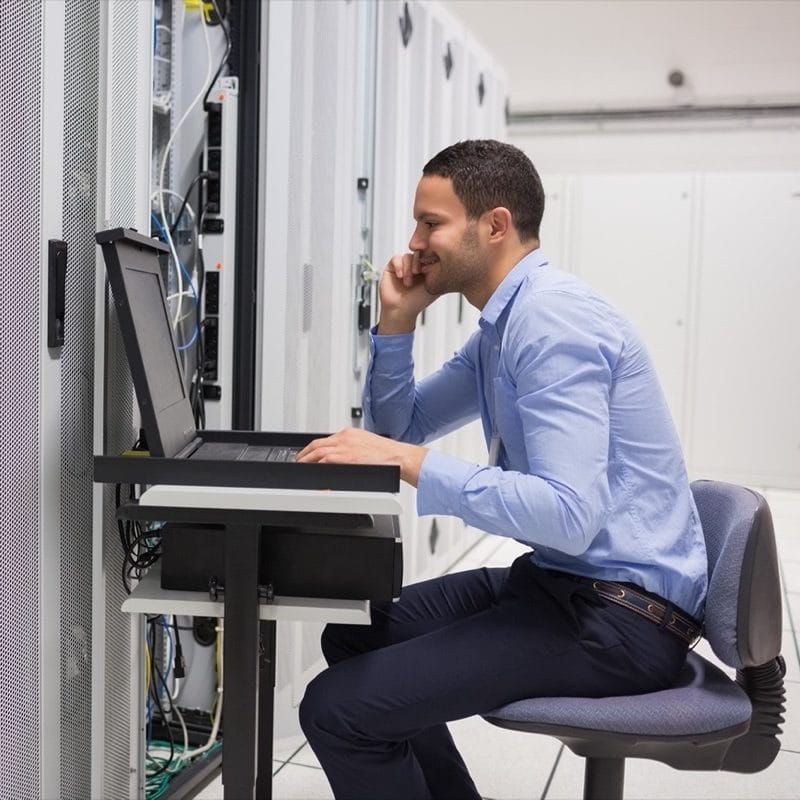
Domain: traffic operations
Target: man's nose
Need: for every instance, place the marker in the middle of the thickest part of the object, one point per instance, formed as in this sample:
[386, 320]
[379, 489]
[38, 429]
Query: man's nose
[416, 242]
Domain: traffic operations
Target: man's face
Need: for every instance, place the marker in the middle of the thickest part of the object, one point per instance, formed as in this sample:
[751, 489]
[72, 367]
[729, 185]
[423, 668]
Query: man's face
[451, 256]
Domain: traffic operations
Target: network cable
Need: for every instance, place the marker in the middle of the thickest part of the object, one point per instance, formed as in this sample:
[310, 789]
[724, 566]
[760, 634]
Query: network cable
[165, 158]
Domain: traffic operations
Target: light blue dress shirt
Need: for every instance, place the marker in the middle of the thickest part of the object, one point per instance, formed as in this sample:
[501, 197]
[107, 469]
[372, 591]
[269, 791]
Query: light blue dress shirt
[589, 471]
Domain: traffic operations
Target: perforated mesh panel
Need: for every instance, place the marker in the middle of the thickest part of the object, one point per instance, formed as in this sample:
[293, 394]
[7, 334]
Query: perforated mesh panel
[122, 144]
[118, 655]
[77, 389]
[130, 118]
[20, 296]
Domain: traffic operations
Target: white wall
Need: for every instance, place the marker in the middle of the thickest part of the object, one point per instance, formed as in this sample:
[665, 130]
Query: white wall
[667, 147]
[589, 53]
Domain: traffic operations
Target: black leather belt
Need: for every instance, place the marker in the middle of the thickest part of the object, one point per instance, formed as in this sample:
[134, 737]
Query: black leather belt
[662, 613]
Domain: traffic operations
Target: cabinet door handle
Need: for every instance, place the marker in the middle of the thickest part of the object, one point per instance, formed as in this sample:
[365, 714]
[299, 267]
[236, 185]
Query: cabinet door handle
[56, 285]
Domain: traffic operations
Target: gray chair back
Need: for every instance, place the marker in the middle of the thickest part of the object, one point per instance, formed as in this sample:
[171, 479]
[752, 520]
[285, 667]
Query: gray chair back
[743, 609]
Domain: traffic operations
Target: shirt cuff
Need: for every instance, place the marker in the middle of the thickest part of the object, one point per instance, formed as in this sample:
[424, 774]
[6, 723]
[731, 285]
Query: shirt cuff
[390, 343]
[441, 482]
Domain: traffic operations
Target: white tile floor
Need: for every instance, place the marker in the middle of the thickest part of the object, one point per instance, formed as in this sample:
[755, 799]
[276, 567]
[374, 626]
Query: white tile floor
[508, 765]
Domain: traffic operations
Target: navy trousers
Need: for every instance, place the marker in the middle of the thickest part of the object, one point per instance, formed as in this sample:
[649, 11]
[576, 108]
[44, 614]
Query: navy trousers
[462, 645]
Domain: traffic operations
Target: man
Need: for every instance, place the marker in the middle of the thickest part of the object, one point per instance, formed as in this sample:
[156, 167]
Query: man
[584, 465]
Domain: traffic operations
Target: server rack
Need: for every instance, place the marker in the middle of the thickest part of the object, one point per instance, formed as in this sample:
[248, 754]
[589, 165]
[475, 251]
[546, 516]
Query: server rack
[50, 54]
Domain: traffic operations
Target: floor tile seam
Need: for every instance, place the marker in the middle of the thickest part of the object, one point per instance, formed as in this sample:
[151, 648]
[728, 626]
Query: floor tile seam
[291, 758]
[792, 628]
[299, 764]
[552, 774]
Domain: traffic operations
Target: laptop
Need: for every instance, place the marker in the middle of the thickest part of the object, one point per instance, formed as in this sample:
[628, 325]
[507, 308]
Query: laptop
[179, 453]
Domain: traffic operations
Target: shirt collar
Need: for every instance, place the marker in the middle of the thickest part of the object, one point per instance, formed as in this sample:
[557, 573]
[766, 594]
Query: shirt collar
[504, 294]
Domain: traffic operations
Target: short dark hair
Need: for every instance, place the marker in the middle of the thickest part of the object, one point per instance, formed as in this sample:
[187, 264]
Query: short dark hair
[487, 174]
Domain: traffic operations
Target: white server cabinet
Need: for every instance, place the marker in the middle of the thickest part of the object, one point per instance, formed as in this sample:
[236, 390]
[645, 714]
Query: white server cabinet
[33, 49]
[49, 52]
[315, 195]
[123, 169]
[705, 267]
[553, 234]
[314, 226]
[632, 241]
[399, 118]
[435, 86]
[745, 425]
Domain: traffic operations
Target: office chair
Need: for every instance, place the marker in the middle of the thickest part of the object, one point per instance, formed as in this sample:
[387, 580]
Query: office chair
[707, 721]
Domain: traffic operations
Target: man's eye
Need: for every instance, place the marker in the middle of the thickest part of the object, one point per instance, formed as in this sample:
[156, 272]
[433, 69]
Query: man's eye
[431, 224]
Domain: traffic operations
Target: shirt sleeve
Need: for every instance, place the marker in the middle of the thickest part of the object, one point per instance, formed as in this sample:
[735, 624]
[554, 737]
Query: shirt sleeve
[397, 406]
[553, 392]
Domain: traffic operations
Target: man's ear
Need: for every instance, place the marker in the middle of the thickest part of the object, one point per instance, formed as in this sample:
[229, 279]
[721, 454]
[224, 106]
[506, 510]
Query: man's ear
[501, 223]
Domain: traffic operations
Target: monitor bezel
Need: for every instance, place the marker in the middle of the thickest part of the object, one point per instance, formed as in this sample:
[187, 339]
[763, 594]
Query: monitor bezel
[168, 430]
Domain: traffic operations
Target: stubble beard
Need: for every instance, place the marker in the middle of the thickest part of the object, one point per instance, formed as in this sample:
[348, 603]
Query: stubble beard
[459, 271]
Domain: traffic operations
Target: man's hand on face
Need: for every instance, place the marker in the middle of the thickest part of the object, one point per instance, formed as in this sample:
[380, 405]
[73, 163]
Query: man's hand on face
[357, 446]
[403, 294]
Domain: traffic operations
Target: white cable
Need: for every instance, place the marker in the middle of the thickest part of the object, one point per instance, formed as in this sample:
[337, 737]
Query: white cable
[178, 714]
[161, 190]
[185, 293]
[180, 197]
[368, 271]
[177, 683]
[212, 738]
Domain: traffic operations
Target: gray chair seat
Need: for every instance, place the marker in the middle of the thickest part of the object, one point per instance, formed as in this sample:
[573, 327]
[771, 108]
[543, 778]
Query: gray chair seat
[705, 700]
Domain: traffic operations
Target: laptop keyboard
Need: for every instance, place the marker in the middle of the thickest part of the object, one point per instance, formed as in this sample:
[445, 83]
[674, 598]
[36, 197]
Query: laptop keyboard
[282, 453]
[257, 453]
[239, 451]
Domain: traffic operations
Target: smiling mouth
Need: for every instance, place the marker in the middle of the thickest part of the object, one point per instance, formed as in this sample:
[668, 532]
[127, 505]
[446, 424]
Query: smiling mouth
[424, 263]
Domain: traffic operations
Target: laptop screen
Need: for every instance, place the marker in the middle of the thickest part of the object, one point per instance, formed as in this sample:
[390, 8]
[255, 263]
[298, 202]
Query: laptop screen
[135, 277]
[150, 318]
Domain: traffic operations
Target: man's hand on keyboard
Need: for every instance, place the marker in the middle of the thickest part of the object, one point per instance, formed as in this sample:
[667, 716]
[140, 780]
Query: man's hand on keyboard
[357, 446]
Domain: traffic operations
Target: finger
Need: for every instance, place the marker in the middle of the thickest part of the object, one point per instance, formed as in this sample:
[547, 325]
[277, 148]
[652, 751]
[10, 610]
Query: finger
[395, 266]
[411, 268]
[313, 445]
[324, 455]
[308, 455]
